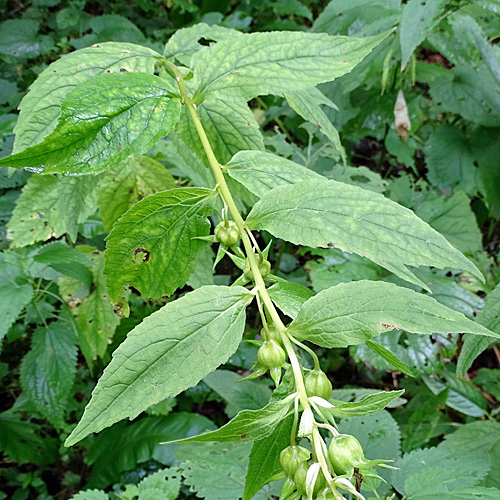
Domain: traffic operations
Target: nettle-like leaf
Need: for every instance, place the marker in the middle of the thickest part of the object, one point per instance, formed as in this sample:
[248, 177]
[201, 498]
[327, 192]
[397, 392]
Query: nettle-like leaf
[170, 351]
[103, 121]
[41, 106]
[42, 211]
[275, 63]
[48, 370]
[124, 185]
[336, 215]
[289, 296]
[364, 309]
[154, 246]
[229, 124]
[367, 406]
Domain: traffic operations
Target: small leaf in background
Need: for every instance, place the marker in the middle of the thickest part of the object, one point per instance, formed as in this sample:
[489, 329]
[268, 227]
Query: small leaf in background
[90, 495]
[364, 309]
[367, 406]
[43, 209]
[333, 214]
[289, 296]
[154, 246]
[124, 185]
[48, 370]
[103, 121]
[170, 351]
[41, 106]
[126, 445]
[489, 380]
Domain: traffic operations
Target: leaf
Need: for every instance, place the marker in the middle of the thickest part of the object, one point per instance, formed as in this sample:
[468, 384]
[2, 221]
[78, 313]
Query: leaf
[103, 121]
[184, 43]
[246, 395]
[41, 106]
[216, 471]
[125, 445]
[489, 380]
[418, 19]
[170, 351]
[307, 104]
[90, 495]
[203, 273]
[473, 346]
[333, 214]
[20, 39]
[96, 320]
[124, 185]
[390, 358]
[13, 299]
[261, 172]
[264, 462]
[289, 296]
[48, 370]
[248, 425]
[275, 63]
[364, 309]
[153, 247]
[480, 438]
[42, 211]
[367, 406]
[229, 124]
[449, 160]
[165, 484]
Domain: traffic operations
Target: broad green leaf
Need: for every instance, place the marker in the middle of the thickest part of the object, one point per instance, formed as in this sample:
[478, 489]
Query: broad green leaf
[260, 171]
[21, 39]
[418, 19]
[352, 313]
[153, 247]
[449, 160]
[230, 127]
[48, 370]
[289, 296]
[165, 484]
[275, 63]
[248, 425]
[90, 495]
[125, 445]
[473, 346]
[390, 358]
[185, 42]
[170, 351]
[216, 470]
[307, 103]
[203, 273]
[41, 106]
[13, 299]
[264, 460]
[246, 395]
[367, 406]
[489, 380]
[96, 320]
[103, 121]
[477, 438]
[125, 184]
[336, 215]
[42, 210]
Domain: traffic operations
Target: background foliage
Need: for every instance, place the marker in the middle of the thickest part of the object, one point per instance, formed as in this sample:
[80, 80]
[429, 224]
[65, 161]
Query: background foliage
[59, 327]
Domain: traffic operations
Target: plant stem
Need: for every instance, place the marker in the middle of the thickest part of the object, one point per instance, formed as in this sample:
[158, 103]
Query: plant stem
[228, 199]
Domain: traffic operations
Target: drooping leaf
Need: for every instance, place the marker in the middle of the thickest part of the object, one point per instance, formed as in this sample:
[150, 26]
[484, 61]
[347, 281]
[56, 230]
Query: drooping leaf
[229, 124]
[390, 358]
[124, 185]
[264, 461]
[418, 19]
[473, 346]
[170, 351]
[153, 247]
[333, 214]
[103, 121]
[274, 63]
[248, 425]
[125, 445]
[364, 309]
[42, 211]
[48, 370]
[260, 172]
[41, 106]
[367, 406]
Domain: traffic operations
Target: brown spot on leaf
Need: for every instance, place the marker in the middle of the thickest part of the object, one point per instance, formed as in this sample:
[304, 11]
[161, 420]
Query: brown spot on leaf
[141, 255]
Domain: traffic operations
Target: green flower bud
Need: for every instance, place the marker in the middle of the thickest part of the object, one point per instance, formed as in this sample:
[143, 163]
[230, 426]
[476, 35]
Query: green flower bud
[271, 354]
[317, 384]
[264, 268]
[228, 234]
[272, 333]
[300, 478]
[292, 457]
[345, 454]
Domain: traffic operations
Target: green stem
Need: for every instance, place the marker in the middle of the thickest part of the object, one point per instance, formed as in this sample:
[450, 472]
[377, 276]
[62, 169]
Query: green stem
[228, 199]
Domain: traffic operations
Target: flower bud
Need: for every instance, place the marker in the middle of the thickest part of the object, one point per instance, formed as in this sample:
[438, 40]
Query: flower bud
[317, 384]
[271, 354]
[345, 454]
[227, 233]
[292, 457]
